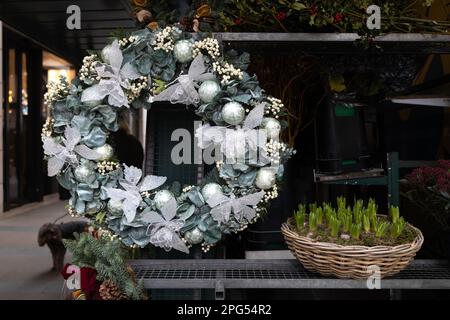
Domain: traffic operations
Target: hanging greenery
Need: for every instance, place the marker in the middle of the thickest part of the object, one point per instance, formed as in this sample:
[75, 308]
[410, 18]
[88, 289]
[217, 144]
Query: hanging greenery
[289, 15]
[106, 260]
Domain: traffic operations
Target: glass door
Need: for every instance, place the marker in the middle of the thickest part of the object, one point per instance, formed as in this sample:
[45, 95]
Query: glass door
[12, 110]
[22, 122]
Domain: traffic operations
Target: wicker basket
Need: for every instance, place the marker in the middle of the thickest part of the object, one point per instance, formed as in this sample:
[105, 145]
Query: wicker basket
[349, 261]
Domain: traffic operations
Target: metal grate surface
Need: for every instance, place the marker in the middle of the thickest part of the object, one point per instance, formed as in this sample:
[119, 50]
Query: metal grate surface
[165, 272]
[275, 274]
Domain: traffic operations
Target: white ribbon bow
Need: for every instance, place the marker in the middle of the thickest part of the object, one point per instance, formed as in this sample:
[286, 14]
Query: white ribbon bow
[114, 78]
[66, 150]
[233, 142]
[163, 229]
[183, 90]
[131, 195]
[222, 206]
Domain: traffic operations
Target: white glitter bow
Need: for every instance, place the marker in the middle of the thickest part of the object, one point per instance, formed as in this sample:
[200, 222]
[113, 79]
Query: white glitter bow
[243, 207]
[114, 78]
[233, 142]
[66, 150]
[183, 90]
[163, 228]
[131, 195]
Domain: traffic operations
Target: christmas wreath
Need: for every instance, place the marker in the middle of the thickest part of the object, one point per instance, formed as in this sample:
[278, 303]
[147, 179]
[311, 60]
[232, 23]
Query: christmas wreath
[241, 129]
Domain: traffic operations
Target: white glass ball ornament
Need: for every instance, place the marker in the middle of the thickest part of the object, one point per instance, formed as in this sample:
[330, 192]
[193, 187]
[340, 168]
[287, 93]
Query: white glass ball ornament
[107, 52]
[194, 236]
[106, 152]
[233, 113]
[210, 190]
[162, 197]
[272, 127]
[265, 178]
[208, 90]
[82, 173]
[183, 51]
[115, 207]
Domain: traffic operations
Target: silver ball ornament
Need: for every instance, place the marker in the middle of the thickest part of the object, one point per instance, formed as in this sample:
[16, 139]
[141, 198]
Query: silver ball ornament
[115, 207]
[83, 173]
[272, 127]
[233, 113]
[162, 197]
[208, 90]
[107, 52]
[210, 190]
[106, 152]
[265, 178]
[194, 236]
[183, 51]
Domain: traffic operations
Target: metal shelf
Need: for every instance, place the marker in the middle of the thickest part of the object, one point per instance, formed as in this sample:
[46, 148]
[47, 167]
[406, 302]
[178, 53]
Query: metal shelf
[367, 177]
[332, 43]
[275, 274]
[329, 37]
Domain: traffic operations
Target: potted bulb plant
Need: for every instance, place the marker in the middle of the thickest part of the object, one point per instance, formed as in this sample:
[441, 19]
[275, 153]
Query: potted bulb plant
[345, 241]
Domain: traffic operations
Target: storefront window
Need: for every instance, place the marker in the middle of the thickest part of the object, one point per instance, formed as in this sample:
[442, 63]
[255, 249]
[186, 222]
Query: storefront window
[12, 76]
[24, 95]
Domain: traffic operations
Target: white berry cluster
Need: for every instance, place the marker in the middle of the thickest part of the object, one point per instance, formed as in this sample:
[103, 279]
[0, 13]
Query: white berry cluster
[72, 212]
[164, 39]
[87, 71]
[275, 107]
[243, 227]
[273, 149]
[227, 71]
[104, 167]
[209, 46]
[188, 245]
[56, 90]
[105, 233]
[145, 194]
[187, 189]
[136, 88]
[126, 41]
[258, 214]
[272, 194]
[47, 128]
[206, 247]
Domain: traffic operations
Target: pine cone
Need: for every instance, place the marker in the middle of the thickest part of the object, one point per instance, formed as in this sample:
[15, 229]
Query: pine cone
[109, 291]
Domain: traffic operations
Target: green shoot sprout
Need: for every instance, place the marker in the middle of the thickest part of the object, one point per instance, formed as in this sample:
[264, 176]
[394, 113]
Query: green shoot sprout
[341, 202]
[347, 222]
[358, 206]
[335, 225]
[312, 207]
[395, 213]
[355, 231]
[300, 218]
[319, 213]
[381, 228]
[357, 215]
[398, 227]
[366, 223]
[312, 221]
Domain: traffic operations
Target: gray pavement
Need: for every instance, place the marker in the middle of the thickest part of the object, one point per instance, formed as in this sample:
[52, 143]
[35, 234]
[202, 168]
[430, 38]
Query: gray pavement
[25, 268]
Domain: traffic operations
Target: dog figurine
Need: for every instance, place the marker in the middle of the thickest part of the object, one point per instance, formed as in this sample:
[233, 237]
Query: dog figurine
[51, 234]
